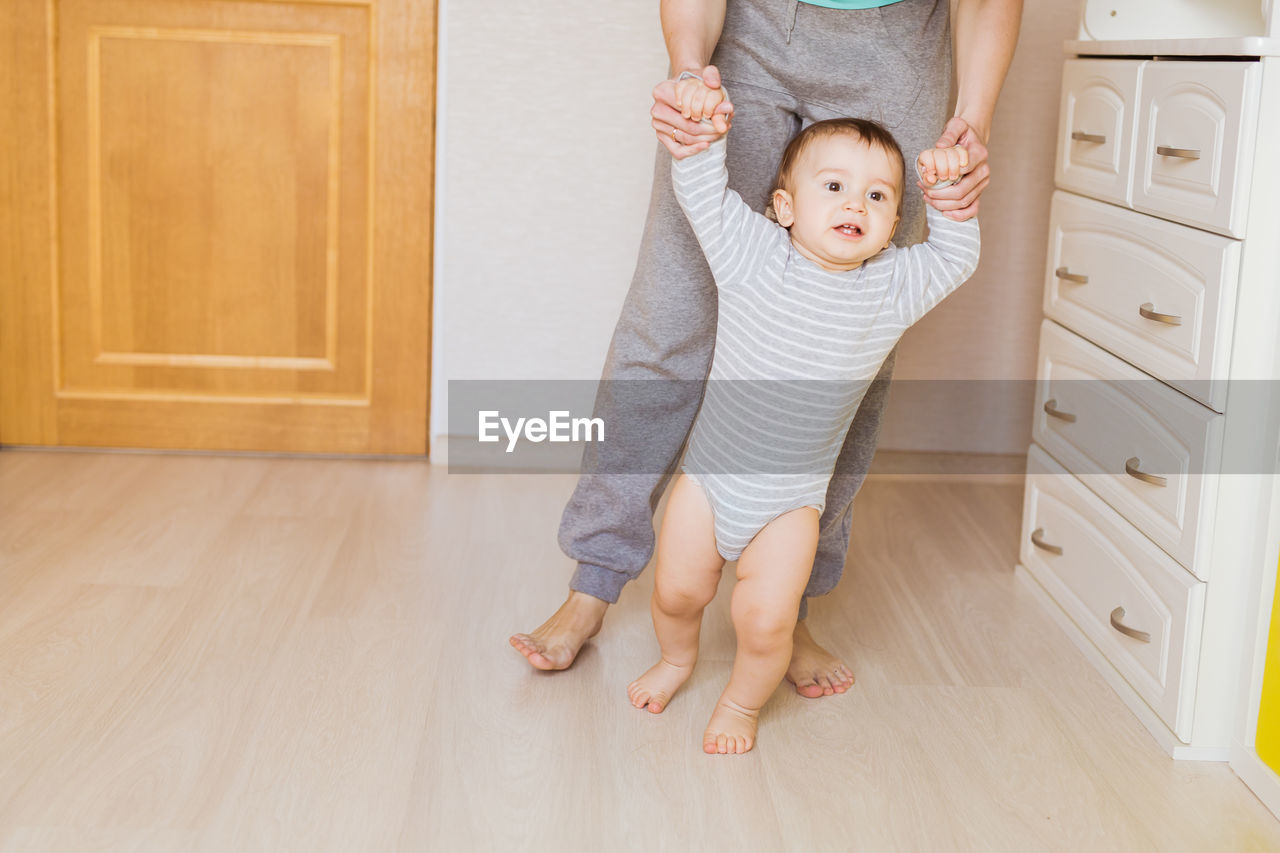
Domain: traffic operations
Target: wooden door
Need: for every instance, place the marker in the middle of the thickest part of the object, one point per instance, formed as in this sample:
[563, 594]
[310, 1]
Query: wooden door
[215, 223]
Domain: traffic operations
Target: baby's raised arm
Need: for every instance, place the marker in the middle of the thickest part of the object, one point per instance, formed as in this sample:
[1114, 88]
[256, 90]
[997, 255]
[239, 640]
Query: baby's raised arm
[734, 238]
[928, 272]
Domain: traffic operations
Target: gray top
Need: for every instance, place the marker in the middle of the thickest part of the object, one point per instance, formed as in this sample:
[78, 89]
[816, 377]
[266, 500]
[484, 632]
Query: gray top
[806, 340]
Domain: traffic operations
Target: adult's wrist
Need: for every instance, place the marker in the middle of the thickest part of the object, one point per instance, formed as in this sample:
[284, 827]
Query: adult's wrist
[686, 68]
[981, 125]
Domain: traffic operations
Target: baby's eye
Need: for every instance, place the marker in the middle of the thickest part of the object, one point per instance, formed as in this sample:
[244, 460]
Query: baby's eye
[833, 186]
[876, 195]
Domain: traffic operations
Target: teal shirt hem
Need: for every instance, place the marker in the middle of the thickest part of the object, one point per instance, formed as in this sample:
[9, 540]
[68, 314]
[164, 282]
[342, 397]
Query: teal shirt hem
[851, 4]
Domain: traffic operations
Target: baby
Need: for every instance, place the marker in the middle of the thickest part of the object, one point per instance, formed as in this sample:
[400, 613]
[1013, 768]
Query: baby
[809, 307]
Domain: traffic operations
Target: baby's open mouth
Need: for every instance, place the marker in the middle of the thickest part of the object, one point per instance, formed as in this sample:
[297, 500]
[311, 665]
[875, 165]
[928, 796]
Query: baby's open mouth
[849, 230]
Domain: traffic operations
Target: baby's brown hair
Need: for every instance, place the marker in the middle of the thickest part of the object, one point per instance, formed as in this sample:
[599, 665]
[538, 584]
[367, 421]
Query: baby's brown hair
[869, 132]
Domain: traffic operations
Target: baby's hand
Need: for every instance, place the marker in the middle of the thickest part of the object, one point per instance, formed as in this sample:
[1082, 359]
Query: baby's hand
[939, 167]
[697, 102]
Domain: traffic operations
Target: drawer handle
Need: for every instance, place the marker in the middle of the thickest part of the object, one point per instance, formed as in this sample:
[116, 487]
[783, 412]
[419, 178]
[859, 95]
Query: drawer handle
[1147, 310]
[1184, 153]
[1081, 136]
[1061, 272]
[1051, 409]
[1037, 539]
[1116, 616]
[1131, 468]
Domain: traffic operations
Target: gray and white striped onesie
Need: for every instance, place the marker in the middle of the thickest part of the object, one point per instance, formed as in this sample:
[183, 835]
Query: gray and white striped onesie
[797, 346]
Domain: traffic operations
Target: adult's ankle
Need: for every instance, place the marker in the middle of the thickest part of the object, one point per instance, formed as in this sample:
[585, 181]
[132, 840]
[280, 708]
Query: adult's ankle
[586, 601]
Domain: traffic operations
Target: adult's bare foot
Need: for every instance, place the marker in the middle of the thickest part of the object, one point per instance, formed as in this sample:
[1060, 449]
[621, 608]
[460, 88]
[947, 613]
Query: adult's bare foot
[813, 670]
[556, 642]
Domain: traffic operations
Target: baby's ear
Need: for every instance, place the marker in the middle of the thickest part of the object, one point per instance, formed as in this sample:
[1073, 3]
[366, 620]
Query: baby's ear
[782, 211]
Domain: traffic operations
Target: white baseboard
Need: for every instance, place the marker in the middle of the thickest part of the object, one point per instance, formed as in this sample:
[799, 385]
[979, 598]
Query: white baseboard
[1166, 739]
[949, 466]
[1261, 779]
[438, 449]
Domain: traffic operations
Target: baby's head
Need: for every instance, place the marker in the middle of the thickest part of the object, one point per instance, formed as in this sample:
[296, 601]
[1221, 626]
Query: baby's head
[839, 191]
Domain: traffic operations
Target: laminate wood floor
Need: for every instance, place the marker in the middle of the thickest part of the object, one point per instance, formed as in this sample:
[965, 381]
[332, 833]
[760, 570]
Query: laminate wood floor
[234, 653]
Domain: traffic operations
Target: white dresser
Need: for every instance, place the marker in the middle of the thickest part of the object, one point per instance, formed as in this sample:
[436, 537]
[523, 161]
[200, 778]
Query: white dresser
[1148, 516]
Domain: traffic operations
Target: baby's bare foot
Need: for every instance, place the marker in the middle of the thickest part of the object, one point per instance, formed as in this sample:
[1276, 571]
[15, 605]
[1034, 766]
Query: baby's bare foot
[656, 687]
[732, 729]
[813, 670]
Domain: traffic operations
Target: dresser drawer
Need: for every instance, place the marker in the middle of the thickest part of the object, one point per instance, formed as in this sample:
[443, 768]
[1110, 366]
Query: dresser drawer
[1144, 448]
[1159, 295]
[1115, 584]
[1096, 125]
[1197, 123]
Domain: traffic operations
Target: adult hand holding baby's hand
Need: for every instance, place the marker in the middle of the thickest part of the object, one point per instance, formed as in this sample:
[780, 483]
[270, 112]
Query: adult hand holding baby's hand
[960, 200]
[679, 107]
[941, 167]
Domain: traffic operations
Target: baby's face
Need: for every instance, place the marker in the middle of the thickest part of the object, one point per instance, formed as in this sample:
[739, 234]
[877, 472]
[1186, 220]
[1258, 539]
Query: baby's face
[843, 205]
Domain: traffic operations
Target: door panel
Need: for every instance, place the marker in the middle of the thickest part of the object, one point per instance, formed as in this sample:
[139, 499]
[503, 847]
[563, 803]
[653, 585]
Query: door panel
[236, 225]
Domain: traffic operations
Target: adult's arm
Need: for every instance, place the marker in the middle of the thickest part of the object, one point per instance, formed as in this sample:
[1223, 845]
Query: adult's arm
[985, 33]
[691, 29]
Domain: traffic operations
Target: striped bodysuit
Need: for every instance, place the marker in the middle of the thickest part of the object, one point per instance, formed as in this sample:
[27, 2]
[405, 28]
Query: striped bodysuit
[797, 346]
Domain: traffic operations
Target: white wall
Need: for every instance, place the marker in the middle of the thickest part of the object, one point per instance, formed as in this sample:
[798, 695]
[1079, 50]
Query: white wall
[988, 329]
[545, 159]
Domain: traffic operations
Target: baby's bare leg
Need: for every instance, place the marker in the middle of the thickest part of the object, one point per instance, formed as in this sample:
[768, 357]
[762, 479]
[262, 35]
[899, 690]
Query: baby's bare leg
[685, 581]
[772, 574]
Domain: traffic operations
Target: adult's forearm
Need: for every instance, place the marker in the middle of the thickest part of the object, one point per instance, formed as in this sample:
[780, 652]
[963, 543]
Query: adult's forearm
[691, 29]
[985, 34]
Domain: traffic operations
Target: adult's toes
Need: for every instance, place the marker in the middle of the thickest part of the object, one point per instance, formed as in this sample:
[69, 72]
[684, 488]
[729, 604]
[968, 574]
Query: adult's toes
[809, 689]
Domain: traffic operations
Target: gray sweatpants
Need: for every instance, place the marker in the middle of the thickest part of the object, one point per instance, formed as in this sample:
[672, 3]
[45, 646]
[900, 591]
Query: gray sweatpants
[785, 65]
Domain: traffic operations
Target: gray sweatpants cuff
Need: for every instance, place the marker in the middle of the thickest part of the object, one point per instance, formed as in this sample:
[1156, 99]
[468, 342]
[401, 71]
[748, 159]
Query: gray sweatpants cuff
[605, 584]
